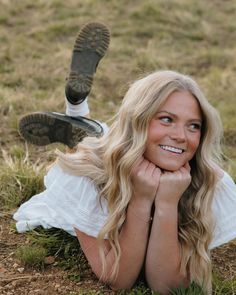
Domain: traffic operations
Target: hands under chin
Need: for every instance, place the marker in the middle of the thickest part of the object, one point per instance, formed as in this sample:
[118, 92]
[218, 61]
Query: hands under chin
[145, 179]
[172, 185]
[150, 183]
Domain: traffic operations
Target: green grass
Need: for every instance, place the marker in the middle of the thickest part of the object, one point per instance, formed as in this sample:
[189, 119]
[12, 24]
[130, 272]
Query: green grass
[193, 289]
[64, 248]
[193, 37]
[31, 256]
[223, 286]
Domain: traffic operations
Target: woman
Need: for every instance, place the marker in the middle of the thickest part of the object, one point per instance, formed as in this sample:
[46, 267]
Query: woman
[148, 194]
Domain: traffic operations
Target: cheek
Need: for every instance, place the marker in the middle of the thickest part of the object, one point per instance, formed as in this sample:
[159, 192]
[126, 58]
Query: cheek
[194, 143]
[155, 132]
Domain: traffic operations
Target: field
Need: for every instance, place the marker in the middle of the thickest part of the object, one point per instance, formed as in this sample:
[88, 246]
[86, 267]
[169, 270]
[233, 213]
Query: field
[36, 37]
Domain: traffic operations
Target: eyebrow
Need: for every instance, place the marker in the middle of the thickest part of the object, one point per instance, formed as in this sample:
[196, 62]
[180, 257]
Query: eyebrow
[175, 116]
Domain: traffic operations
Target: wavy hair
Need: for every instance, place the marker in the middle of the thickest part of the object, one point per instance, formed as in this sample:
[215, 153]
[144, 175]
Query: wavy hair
[108, 161]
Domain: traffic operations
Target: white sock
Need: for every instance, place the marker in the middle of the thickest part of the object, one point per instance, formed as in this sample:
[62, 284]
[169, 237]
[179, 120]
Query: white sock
[75, 110]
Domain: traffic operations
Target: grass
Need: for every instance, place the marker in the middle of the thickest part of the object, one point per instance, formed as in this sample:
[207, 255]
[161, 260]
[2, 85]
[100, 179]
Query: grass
[19, 179]
[31, 256]
[193, 37]
[63, 247]
[150, 35]
[193, 289]
[226, 286]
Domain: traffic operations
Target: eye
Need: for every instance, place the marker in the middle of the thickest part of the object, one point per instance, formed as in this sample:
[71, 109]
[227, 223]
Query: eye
[166, 119]
[195, 126]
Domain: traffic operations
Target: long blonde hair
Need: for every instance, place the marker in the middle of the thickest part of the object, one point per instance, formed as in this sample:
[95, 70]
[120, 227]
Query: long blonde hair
[108, 162]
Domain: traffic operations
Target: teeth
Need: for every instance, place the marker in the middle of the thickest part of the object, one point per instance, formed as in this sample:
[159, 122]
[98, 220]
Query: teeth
[172, 149]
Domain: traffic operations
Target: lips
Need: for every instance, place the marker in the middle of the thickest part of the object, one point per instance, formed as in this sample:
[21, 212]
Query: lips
[172, 149]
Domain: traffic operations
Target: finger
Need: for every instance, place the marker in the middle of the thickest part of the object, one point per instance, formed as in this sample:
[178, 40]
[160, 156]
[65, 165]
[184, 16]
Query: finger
[152, 171]
[149, 170]
[144, 165]
[157, 173]
[139, 161]
[137, 164]
[166, 175]
[184, 171]
[187, 166]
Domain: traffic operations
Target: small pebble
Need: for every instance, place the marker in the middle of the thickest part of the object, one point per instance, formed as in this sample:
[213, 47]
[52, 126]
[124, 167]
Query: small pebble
[49, 260]
[20, 269]
[15, 265]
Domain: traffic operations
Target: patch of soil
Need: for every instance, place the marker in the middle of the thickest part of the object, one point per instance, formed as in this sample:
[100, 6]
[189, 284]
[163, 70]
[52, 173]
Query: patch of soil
[18, 280]
[224, 260]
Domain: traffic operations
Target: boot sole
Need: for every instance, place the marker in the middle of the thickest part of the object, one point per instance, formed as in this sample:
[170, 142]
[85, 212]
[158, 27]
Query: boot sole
[90, 46]
[46, 128]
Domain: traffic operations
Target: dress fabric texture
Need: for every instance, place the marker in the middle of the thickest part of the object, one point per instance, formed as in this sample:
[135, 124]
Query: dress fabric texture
[70, 202]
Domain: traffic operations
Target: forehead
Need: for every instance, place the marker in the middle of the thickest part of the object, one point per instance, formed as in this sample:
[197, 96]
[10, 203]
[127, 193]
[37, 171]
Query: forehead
[182, 102]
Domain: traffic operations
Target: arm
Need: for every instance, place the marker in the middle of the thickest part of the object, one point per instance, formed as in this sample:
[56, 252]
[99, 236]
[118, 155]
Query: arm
[134, 233]
[163, 254]
[133, 243]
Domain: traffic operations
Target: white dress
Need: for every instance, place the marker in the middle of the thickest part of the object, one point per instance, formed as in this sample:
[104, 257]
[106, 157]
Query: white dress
[70, 202]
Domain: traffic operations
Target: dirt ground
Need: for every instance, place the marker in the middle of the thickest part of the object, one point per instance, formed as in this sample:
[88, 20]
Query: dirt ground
[17, 280]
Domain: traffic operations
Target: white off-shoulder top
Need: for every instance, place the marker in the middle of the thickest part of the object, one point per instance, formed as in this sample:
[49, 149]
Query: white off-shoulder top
[70, 202]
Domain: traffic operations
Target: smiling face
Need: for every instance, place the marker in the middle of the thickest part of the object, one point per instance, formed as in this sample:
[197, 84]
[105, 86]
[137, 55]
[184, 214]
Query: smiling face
[174, 132]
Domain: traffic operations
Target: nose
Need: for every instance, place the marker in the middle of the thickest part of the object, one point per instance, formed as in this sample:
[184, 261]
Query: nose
[178, 133]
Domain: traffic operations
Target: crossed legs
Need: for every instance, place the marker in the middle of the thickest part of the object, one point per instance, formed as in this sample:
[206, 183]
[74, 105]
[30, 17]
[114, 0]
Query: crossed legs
[43, 128]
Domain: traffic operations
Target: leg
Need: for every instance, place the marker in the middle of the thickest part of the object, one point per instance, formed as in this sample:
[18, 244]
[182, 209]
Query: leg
[47, 127]
[90, 46]
[44, 128]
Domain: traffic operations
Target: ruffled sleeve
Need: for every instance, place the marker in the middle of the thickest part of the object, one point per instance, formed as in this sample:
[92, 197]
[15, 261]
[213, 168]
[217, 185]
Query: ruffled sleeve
[224, 210]
[68, 202]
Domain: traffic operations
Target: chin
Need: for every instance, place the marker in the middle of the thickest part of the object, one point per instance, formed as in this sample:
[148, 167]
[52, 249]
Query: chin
[169, 167]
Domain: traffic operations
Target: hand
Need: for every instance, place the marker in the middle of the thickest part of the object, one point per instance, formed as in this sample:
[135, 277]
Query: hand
[145, 178]
[173, 185]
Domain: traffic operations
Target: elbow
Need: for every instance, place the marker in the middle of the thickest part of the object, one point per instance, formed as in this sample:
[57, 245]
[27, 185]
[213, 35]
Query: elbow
[118, 283]
[160, 287]
[166, 287]
[116, 286]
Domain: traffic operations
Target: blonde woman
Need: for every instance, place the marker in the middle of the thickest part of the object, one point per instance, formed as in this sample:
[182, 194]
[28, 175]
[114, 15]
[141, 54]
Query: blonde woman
[149, 194]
